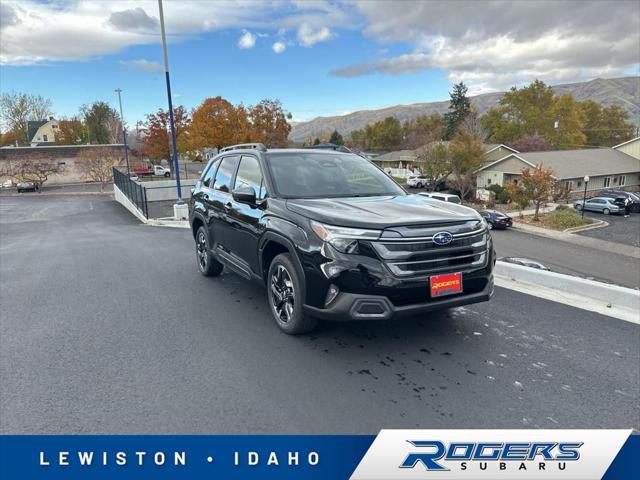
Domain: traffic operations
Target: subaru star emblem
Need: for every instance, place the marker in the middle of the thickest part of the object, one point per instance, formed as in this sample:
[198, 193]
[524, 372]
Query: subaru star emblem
[442, 238]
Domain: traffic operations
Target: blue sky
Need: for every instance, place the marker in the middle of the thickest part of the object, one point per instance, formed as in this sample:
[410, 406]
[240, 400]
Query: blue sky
[332, 57]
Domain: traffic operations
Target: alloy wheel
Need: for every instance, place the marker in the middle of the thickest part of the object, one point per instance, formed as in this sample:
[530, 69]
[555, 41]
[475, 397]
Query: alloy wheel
[201, 251]
[282, 293]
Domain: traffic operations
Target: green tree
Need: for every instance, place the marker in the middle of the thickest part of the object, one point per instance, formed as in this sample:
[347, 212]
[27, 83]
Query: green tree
[606, 126]
[102, 123]
[422, 131]
[434, 160]
[336, 138]
[571, 120]
[459, 108]
[467, 155]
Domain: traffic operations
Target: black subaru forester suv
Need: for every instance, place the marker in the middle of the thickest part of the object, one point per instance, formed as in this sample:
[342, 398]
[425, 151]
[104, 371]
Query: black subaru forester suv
[334, 237]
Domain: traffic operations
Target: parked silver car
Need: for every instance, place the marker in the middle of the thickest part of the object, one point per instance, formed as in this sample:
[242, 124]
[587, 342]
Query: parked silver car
[599, 204]
[27, 186]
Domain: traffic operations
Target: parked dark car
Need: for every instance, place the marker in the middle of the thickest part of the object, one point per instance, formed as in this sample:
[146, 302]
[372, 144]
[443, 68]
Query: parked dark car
[634, 206]
[333, 237]
[27, 186]
[497, 220]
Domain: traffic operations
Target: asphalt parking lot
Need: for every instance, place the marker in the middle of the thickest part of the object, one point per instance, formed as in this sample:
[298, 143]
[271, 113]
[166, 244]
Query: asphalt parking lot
[620, 229]
[107, 327]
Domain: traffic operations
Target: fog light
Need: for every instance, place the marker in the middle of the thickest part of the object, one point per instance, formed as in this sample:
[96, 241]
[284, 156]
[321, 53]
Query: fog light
[332, 293]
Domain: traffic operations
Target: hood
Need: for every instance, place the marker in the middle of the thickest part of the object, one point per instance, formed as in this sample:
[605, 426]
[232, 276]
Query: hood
[381, 212]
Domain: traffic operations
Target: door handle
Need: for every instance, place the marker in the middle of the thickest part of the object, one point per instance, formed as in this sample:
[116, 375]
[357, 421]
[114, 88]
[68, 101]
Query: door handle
[206, 196]
[228, 205]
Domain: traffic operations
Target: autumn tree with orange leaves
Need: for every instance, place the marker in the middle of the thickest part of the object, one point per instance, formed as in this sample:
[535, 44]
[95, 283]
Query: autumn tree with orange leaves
[269, 124]
[157, 141]
[71, 132]
[217, 123]
[537, 186]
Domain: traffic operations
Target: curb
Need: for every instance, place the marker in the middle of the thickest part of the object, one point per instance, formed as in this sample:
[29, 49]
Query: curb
[584, 228]
[611, 300]
[54, 194]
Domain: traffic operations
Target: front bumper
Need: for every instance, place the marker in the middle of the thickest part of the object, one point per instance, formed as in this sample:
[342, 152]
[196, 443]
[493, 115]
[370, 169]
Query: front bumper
[355, 306]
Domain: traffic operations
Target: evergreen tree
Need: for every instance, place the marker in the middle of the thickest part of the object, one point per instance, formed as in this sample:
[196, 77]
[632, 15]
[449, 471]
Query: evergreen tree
[336, 138]
[459, 108]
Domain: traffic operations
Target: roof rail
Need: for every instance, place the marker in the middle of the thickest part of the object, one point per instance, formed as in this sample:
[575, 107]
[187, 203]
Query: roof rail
[248, 146]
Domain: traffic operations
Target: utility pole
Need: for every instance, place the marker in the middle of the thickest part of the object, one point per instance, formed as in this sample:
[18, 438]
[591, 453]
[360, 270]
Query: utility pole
[179, 209]
[124, 133]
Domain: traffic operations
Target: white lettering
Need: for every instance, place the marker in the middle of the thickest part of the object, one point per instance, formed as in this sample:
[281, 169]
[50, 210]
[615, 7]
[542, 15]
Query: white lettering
[314, 458]
[179, 458]
[235, 457]
[253, 458]
[42, 460]
[63, 458]
[273, 459]
[293, 458]
[159, 458]
[121, 458]
[140, 457]
[85, 458]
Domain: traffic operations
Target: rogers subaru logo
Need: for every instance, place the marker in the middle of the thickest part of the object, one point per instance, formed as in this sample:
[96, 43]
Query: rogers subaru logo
[431, 454]
[442, 238]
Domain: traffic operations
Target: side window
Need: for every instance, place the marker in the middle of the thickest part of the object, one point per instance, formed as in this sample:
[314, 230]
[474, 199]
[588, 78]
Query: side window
[225, 173]
[210, 173]
[250, 175]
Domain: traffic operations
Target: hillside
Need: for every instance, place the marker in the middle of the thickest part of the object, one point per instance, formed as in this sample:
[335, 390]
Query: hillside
[623, 91]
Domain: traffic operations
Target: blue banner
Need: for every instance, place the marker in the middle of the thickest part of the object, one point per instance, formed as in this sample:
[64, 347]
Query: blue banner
[393, 454]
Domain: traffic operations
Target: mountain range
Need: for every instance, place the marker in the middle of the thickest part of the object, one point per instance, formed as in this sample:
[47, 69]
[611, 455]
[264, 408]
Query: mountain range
[624, 91]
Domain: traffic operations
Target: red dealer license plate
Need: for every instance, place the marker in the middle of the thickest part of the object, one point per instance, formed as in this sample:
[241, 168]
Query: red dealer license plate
[446, 284]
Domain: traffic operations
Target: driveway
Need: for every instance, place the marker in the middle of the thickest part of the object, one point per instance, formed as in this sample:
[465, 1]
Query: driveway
[107, 327]
[620, 229]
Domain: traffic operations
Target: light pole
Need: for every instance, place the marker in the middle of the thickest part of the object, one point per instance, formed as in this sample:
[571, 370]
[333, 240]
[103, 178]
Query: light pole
[584, 197]
[124, 133]
[179, 212]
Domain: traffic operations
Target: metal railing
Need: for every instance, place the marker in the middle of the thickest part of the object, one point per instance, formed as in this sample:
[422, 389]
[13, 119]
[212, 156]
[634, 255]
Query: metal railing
[135, 192]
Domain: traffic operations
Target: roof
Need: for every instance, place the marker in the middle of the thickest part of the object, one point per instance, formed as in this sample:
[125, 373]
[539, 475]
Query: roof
[398, 155]
[628, 141]
[577, 163]
[33, 126]
[490, 147]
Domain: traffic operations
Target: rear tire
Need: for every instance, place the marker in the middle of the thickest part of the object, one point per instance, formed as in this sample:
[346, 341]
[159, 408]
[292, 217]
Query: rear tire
[578, 207]
[207, 264]
[167, 174]
[286, 297]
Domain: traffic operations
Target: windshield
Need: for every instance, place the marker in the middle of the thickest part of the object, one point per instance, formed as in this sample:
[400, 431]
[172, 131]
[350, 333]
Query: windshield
[318, 175]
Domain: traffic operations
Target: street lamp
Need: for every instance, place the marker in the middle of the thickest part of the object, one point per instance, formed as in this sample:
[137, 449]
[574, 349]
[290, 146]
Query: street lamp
[124, 133]
[584, 197]
[180, 210]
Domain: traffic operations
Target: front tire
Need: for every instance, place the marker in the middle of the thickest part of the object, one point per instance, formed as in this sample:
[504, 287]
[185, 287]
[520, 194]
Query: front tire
[606, 211]
[207, 264]
[167, 174]
[578, 207]
[286, 297]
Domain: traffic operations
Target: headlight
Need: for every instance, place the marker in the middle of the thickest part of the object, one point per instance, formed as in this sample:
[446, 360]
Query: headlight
[343, 239]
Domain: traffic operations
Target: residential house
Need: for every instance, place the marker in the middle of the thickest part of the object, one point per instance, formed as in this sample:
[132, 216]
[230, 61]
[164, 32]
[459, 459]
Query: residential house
[606, 168]
[42, 132]
[496, 151]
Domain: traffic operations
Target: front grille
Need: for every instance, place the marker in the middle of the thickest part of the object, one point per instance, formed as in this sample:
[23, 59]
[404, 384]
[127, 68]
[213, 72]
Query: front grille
[420, 256]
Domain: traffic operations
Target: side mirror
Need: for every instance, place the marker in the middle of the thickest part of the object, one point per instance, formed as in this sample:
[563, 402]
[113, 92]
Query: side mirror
[245, 195]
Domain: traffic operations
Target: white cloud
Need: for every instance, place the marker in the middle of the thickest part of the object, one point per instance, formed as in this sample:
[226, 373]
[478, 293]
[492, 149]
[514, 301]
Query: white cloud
[247, 40]
[503, 44]
[308, 36]
[143, 64]
[72, 30]
[278, 47]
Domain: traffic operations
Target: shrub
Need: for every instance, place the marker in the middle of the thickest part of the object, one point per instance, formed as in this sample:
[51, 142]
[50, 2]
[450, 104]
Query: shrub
[563, 207]
[502, 196]
[563, 218]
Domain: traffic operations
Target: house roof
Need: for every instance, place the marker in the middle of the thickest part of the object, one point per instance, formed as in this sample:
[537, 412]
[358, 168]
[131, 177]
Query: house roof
[577, 163]
[628, 141]
[33, 126]
[490, 147]
[398, 155]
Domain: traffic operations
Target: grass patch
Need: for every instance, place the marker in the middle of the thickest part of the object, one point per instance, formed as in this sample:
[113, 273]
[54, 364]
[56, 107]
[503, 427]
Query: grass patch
[560, 219]
[400, 180]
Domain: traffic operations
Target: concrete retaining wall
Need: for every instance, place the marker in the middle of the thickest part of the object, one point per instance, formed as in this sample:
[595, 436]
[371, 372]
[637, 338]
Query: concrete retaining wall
[611, 300]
